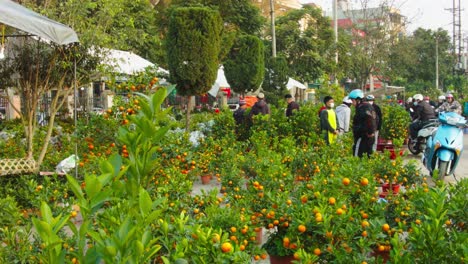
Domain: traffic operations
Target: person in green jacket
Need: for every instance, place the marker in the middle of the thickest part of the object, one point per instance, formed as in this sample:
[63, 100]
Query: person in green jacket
[329, 121]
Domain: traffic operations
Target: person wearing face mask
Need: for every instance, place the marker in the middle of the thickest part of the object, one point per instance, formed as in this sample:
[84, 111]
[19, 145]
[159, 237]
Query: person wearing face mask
[329, 121]
[371, 100]
[424, 113]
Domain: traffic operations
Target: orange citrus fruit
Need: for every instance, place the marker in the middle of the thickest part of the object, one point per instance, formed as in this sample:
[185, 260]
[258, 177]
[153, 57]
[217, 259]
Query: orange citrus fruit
[301, 228]
[346, 181]
[385, 227]
[226, 247]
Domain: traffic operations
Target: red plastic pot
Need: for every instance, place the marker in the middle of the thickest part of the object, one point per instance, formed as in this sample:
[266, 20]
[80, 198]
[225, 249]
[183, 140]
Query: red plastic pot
[386, 187]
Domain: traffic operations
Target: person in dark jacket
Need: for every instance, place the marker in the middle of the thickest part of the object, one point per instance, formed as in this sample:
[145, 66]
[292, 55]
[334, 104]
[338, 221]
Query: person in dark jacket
[424, 113]
[364, 124]
[371, 100]
[239, 114]
[260, 107]
[329, 121]
[292, 105]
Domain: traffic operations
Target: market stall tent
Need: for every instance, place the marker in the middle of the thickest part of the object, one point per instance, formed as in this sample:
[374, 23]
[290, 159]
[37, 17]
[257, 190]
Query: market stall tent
[20, 17]
[294, 84]
[126, 62]
[221, 82]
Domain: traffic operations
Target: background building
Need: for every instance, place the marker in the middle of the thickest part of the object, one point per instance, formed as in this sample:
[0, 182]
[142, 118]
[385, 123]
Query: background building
[280, 6]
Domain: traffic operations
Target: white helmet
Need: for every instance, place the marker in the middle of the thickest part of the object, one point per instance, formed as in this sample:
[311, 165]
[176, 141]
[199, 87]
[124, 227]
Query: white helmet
[441, 97]
[409, 100]
[417, 97]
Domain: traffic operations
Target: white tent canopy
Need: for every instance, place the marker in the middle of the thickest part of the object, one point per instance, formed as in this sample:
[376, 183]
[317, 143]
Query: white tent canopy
[293, 83]
[220, 82]
[127, 62]
[18, 16]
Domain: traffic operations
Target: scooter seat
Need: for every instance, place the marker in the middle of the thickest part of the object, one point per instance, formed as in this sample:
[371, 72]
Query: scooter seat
[426, 132]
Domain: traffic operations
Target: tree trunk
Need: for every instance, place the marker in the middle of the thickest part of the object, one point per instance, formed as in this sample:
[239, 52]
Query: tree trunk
[53, 111]
[187, 113]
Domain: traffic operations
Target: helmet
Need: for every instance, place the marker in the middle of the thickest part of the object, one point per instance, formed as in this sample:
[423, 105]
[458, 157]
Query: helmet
[441, 97]
[370, 97]
[346, 100]
[449, 96]
[427, 98]
[418, 97]
[356, 94]
[409, 100]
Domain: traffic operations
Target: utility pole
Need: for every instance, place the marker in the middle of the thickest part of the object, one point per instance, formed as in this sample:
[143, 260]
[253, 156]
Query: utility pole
[456, 35]
[273, 33]
[335, 27]
[437, 62]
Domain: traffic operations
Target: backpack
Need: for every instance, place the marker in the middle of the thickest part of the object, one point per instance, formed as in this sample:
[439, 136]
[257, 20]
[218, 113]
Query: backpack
[321, 109]
[374, 117]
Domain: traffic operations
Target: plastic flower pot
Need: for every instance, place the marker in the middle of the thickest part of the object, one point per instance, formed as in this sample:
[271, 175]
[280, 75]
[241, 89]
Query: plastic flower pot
[386, 187]
[281, 259]
[205, 179]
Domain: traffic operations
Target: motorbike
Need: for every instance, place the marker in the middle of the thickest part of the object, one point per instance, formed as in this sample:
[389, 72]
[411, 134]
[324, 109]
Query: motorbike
[441, 142]
[418, 144]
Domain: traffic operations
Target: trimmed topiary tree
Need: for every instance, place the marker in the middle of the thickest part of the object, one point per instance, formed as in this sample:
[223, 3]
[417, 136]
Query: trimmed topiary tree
[193, 46]
[276, 78]
[244, 66]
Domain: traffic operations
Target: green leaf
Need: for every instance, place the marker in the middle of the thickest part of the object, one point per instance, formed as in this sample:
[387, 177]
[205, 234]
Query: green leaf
[76, 188]
[157, 99]
[43, 229]
[97, 201]
[145, 202]
[106, 167]
[59, 222]
[46, 212]
[139, 248]
[111, 251]
[116, 162]
[93, 186]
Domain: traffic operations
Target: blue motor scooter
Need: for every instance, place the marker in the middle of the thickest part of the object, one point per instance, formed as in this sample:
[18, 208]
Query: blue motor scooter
[445, 144]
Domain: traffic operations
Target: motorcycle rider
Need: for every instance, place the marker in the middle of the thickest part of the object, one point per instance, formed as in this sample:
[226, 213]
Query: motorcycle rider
[441, 101]
[450, 105]
[428, 100]
[364, 124]
[424, 112]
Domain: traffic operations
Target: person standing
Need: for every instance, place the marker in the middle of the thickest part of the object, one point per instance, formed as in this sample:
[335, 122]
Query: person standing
[242, 126]
[371, 100]
[343, 114]
[328, 121]
[292, 105]
[364, 124]
[239, 114]
[260, 107]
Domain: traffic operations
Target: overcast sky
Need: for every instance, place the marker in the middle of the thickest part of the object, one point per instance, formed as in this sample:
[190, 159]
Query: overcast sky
[429, 14]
